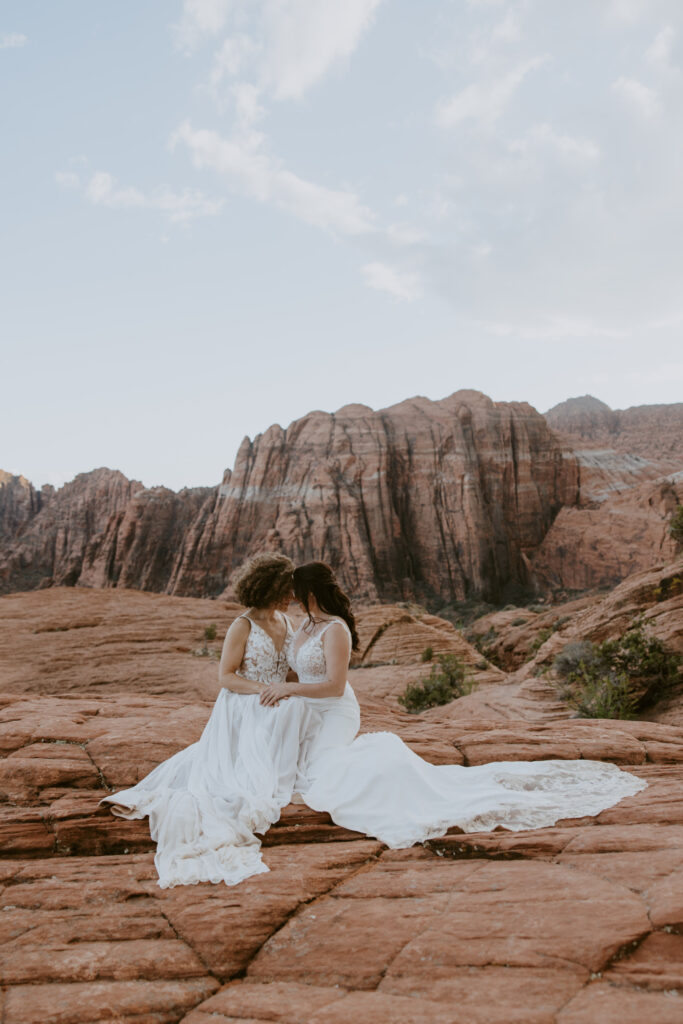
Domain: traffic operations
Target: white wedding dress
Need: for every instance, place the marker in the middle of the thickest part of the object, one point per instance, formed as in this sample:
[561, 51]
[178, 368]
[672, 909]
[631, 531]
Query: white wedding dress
[206, 802]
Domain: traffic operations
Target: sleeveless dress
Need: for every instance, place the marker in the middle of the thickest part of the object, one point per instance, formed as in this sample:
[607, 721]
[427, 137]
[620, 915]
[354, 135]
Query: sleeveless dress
[377, 785]
[206, 802]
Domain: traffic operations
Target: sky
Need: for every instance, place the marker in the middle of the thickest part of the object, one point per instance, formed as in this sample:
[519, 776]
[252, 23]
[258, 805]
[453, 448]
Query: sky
[216, 215]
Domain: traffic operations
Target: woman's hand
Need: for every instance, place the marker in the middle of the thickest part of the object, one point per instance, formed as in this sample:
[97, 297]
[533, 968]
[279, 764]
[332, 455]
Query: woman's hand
[271, 695]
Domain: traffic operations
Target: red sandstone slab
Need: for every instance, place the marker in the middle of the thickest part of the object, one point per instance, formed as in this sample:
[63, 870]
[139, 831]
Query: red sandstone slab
[228, 925]
[285, 1002]
[345, 942]
[657, 963]
[163, 1002]
[130, 959]
[492, 994]
[601, 1003]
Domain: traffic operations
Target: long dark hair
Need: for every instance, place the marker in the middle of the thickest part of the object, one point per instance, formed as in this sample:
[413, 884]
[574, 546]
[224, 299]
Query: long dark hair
[318, 579]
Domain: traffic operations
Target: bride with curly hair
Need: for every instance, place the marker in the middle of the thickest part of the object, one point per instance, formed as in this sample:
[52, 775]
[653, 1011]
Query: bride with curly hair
[206, 803]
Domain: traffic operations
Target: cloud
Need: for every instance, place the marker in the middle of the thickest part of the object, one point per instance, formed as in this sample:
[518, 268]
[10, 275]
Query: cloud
[102, 190]
[485, 102]
[402, 284]
[282, 46]
[640, 98]
[67, 179]
[250, 170]
[12, 40]
[629, 11]
[305, 38]
[200, 19]
[543, 137]
[658, 54]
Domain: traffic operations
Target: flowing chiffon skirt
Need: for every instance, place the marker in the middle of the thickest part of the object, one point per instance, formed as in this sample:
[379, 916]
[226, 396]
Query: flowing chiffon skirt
[206, 803]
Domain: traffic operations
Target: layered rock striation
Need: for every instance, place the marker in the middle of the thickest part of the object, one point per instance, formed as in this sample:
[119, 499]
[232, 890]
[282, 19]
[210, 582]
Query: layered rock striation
[435, 500]
[425, 499]
[428, 501]
[650, 432]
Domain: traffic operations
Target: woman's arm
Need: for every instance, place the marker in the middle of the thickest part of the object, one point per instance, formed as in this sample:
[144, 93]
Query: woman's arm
[337, 654]
[231, 659]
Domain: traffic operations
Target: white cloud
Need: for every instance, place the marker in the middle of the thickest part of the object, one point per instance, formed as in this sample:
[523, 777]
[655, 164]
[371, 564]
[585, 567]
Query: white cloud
[282, 46]
[485, 102]
[402, 284]
[12, 40]
[102, 190]
[67, 179]
[629, 11]
[658, 54]
[568, 147]
[639, 97]
[201, 19]
[249, 169]
[305, 38]
[508, 29]
[233, 58]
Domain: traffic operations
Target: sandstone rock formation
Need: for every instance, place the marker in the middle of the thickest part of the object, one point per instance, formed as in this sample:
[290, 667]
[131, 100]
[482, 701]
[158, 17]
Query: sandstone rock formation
[427, 499]
[574, 924]
[594, 547]
[650, 432]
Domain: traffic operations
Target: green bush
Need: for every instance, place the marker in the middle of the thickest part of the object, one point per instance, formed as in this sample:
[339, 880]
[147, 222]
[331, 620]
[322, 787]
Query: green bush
[676, 525]
[428, 654]
[519, 622]
[447, 680]
[541, 638]
[617, 678]
[210, 632]
[559, 623]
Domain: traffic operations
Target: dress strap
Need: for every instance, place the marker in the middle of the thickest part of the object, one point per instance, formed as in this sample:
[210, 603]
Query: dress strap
[331, 623]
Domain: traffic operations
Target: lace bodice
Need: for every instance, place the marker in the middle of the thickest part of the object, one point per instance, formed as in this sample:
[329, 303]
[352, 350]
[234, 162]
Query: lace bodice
[307, 656]
[262, 663]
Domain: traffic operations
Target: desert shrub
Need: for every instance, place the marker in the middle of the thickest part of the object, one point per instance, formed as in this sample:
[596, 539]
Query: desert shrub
[670, 586]
[210, 632]
[447, 680]
[572, 655]
[541, 637]
[559, 623]
[538, 609]
[519, 622]
[676, 525]
[427, 654]
[601, 694]
[617, 678]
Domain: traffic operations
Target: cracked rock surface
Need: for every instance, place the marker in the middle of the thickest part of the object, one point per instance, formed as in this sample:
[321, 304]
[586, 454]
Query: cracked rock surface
[576, 924]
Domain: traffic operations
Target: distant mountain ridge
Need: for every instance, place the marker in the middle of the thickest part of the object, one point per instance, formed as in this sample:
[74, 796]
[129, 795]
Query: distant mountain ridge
[430, 501]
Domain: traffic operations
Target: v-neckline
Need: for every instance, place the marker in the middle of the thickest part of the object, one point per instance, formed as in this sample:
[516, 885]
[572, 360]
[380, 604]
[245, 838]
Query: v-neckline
[278, 650]
[312, 636]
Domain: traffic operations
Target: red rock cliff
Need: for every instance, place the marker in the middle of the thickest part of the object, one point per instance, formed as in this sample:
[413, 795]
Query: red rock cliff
[426, 499]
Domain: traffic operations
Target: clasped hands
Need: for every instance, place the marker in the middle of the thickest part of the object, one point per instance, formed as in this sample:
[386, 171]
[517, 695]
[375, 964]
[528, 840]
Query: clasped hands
[273, 693]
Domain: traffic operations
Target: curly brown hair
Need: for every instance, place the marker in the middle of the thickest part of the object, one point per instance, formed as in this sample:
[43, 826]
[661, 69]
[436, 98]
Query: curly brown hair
[264, 580]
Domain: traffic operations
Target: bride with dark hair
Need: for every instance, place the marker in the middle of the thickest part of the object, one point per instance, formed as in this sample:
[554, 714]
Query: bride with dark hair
[377, 785]
[275, 735]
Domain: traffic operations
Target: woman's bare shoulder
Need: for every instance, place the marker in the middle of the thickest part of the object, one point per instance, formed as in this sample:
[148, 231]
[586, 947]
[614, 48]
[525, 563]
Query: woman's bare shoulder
[239, 627]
